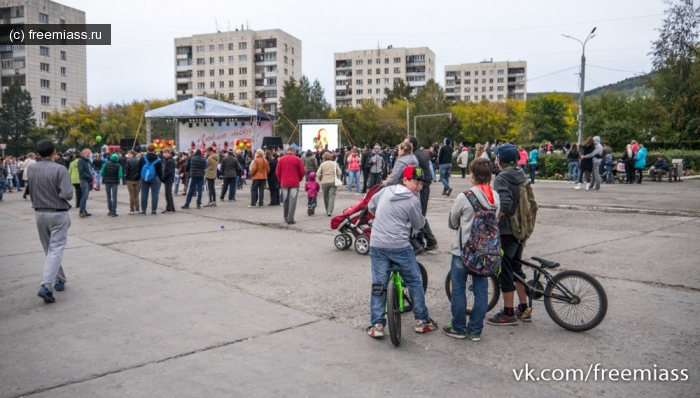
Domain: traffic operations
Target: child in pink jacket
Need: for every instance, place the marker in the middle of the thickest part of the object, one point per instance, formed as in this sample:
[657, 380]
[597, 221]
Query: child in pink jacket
[312, 187]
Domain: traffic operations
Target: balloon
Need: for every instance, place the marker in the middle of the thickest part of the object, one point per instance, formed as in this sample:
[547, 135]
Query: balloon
[98, 138]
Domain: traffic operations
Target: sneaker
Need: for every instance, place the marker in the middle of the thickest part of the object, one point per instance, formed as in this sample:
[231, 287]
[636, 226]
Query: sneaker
[431, 247]
[199, 207]
[232, 200]
[209, 204]
[449, 191]
[60, 286]
[46, 294]
[448, 330]
[473, 338]
[185, 207]
[375, 331]
[252, 206]
[525, 316]
[212, 204]
[87, 214]
[153, 213]
[291, 222]
[131, 213]
[578, 186]
[501, 319]
[425, 326]
[83, 214]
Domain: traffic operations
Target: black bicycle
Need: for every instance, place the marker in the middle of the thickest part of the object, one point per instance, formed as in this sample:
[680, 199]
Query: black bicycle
[574, 300]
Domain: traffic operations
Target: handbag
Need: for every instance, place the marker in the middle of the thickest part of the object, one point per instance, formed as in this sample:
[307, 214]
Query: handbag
[338, 181]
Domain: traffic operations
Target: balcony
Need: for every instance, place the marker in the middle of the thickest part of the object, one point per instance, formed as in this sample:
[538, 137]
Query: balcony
[415, 62]
[18, 20]
[181, 80]
[343, 67]
[183, 68]
[518, 74]
[183, 92]
[184, 56]
[14, 71]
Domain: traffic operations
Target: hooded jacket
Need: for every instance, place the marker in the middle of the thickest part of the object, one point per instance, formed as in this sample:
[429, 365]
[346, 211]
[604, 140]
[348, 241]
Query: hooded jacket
[112, 172]
[396, 210]
[312, 187]
[230, 168]
[462, 216]
[597, 153]
[640, 161]
[507, 185]
[310, 162]
[376, 163]
[445, 153]
[151, 156]
[400, 164]
[169, 167]
[424, 163]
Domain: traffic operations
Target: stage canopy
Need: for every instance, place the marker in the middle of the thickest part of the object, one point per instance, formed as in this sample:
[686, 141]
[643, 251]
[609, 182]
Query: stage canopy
[202, 107]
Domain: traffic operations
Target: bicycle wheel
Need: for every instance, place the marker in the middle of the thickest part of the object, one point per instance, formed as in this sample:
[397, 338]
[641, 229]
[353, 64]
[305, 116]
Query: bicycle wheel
[393, 313]
[408, 304]
[588, 307]
[493, 295]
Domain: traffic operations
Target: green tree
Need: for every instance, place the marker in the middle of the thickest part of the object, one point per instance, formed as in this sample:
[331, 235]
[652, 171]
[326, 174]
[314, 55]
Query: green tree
[431, 100]
[549, 117]
[401, 90]
[675, 77]
[76, 128]
[481, 121]
[301, 100]
[17, 119]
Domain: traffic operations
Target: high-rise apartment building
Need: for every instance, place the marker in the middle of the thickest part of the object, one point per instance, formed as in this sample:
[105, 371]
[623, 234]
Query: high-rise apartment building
[245, 66]
[55, 75]
[364, 74]
[494, 81]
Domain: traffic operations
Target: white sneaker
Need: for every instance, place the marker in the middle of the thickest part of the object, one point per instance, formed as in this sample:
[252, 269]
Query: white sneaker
[578, 186]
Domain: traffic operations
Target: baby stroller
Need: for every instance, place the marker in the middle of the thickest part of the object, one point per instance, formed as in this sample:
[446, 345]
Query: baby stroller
[620, 168]
[608, 167]
[356, 221]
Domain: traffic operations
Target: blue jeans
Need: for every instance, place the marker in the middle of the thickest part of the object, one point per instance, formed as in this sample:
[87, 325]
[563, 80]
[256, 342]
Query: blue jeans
[533, 169]
[354, 178]
[154, 187]
[573, 171]
[98, 177]
[432, 171]
[459, 300]
[382, 259]
[195, 183]
[2, 188]
[85, 187]
[111, 190]
[445, 170]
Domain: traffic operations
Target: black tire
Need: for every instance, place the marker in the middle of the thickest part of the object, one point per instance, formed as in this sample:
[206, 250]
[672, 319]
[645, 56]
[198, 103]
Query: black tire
[494, 291]
[348, 240]
[591, 305]
[393, 314]
[340, 242]
[408, 304]
[362, 245]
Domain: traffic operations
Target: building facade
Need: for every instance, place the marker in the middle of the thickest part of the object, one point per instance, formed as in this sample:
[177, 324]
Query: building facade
[494, 81]
[54, 75]
[363, 75]
[245, 66]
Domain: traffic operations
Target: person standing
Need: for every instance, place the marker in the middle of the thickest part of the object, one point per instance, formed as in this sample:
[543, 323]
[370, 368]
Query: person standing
[25, 176]
[272, 181]
[133, 182]
[75, 180]
[354, 166]
[122, 162]
[195, 172]
[290, 172]
[112, 174]
[573, 157]
[52, 192]
[586, 164]
[327, 172]
[3, 178]
[377, 167]
[534, 157]
[97, 167]
[86, 177]
[597, 157]
[640, 162]
[310, 163]
[230, 169]
[426, 233]
[463, 160]
[151, 171]
[168, 180]
[258, 171]
[210, 175]
[366, 166]
[445, 165]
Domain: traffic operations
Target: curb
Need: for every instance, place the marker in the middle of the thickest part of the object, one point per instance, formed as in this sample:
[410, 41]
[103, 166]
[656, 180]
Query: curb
[621, 210]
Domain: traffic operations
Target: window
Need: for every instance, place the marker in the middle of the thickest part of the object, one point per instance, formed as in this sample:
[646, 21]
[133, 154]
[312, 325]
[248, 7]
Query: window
[44, 83]
[271, 94]
[378, 61]
[292, 62]
[44, 67]
[377, 71]
[369, 71]
[271, 68]
[397, 70]
[490, 71]
[377, 91]
[63, 71]
[378, 81]
[64, 86]
[483, 72]
[200, 49]
[200, 85]
[386, 80]
[358, 92]
[44, 51]
[386, 70]
[397, 60]
[200, 73]
[483, 81]
[397, 79]
[285, 71]
[211, 60]
[369, 81]
[467, 73]
[491, 88]
[358, 62]
[230, 58]
[271, 81]
[211, 47]
[43, 18]
[221, 84]
[242, 45]
[358, 102]
[211, 85]
[230, 95]
[500, 71]
[200, 61]
[242, 58]
[242, 71]
[221, 60]
[358, 72]
[242, 96]
[45, 100]
[61, 21]
[230, 71]
[500, 96]
[467, 98]
[358, 82]
[468, 81]
[490, 97]
[491, 80]
[211, 72]
[221, 47]
[467, 89]
[500, 80]
[386, 60]
[284, 46]
[482, 90]
[231, 84]
[63, 55]
[285, 59]
[243, 83]
[499, 88]
[221, 72]
[230, 46]
[292, 50]
[64, 102]
[44, 115]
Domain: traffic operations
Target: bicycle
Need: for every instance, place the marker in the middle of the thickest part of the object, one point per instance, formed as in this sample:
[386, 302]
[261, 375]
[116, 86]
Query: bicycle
[574, 300]
[398, 300]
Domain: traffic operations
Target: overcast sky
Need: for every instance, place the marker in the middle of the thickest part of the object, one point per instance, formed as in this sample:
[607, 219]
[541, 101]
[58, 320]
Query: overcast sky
[140, 62]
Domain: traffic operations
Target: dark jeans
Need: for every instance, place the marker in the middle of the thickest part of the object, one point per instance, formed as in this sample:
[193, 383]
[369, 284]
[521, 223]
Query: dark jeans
[211, 188]
[169, 204]
[78, 194]
[365, 178]
[533, 169]
[26, 189]
[196, 183]
[111, 190]
[374, 179]
[85, 187]
[274, 196]
[312, 202]
[426, 233]
[629, 173]
[230, 185]
[638, 172]
[154, 187]
[257, 192]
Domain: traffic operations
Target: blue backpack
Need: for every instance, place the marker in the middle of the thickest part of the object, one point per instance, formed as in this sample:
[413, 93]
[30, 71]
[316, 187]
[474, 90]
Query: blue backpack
[481, 254]
[148, 171]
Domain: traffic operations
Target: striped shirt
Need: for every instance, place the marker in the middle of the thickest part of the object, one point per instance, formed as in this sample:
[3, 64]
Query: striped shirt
[51, 186]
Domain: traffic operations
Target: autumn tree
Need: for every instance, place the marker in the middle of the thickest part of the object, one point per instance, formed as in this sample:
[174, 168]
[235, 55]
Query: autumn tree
[400, 90]
[549, 117]
[300, 100]
[17, 119]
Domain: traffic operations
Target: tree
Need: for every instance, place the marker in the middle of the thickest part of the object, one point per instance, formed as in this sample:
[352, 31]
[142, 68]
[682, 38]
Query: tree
[401, 90]
[676, 69]
[17, 119]
[481, 121]
[431, 100]
[549, 117]
[301, 100]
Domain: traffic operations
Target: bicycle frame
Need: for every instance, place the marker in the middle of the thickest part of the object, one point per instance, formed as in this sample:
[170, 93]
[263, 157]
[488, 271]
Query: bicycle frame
[538, 272]
[398, 282]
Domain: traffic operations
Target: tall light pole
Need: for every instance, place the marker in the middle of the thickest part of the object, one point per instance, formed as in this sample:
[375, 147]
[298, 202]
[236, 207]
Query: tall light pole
[583, 79]
[408, 123]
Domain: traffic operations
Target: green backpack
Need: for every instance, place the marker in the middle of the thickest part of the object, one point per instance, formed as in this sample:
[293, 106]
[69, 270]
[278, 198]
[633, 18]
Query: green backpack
[522, 222]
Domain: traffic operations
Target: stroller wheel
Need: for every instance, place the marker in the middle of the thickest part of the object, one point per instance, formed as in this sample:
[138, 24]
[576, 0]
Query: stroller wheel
[348, 240]
[362, 245]
[340, 242]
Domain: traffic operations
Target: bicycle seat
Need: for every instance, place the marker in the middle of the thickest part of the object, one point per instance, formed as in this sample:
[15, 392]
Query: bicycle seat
[546, 263]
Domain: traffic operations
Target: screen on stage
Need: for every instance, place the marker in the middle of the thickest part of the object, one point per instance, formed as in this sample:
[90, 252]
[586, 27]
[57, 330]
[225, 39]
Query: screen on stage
[318, 136]
[197, 137]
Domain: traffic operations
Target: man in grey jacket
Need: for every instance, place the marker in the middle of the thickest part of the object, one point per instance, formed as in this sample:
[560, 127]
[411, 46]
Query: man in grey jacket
[597, 156]
[376, 168]
[397, 212]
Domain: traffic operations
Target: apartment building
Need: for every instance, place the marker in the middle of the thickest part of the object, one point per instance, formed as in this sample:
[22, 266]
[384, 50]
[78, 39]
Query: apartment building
[494, 81]
[364, 74]
[55, 75]
[246, 66]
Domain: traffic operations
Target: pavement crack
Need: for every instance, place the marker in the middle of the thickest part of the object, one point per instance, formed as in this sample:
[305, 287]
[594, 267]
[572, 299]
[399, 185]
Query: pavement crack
[162, 360]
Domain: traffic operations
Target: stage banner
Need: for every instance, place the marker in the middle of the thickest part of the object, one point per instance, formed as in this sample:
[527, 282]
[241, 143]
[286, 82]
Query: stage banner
[200, 136]
[317, 136]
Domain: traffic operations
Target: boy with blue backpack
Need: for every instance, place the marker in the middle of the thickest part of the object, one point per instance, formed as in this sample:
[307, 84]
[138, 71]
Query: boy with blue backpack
[476, 250]
[151, 170]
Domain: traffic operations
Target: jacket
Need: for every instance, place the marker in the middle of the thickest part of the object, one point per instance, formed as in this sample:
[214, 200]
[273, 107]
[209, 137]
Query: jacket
[312, 187]
[424, 163]
[445, 154]
[73, 171]
[195, 166]
[353, 163]
[272, 181]
[379, 166]
[396, 211]
[85, 169]
[111, 171]
[463, 159]
[640, 161]
[132, 169]
[507, 185]
[152, 158]
[310, 162]
[327, 172]
[399, 165]
[168, 170]
[27, 163]
[364, 159]
[661, 165]
[522, 161]
[212, 162]
[260, 168]
[534, 155]
[462, 216]
[230, 167]
[290, 171]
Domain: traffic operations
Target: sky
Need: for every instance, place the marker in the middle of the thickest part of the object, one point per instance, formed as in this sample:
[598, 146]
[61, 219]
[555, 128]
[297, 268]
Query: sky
[139, 64]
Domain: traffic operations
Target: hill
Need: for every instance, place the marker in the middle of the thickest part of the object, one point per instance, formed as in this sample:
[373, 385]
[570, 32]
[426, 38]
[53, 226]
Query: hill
[629, 87]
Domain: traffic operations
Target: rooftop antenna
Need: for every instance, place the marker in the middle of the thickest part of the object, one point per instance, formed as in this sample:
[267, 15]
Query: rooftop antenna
[216, 25]
[228, 25]
[247, 27]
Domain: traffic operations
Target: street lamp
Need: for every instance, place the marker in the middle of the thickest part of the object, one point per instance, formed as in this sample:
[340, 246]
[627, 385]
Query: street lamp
[583, 79]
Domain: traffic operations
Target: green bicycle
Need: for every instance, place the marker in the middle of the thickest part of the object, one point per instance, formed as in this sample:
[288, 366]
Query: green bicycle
[399, 301]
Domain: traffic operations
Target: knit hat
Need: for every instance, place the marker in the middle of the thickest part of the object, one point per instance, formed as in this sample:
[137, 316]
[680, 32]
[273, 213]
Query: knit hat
[376, 146]
[508, 153]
